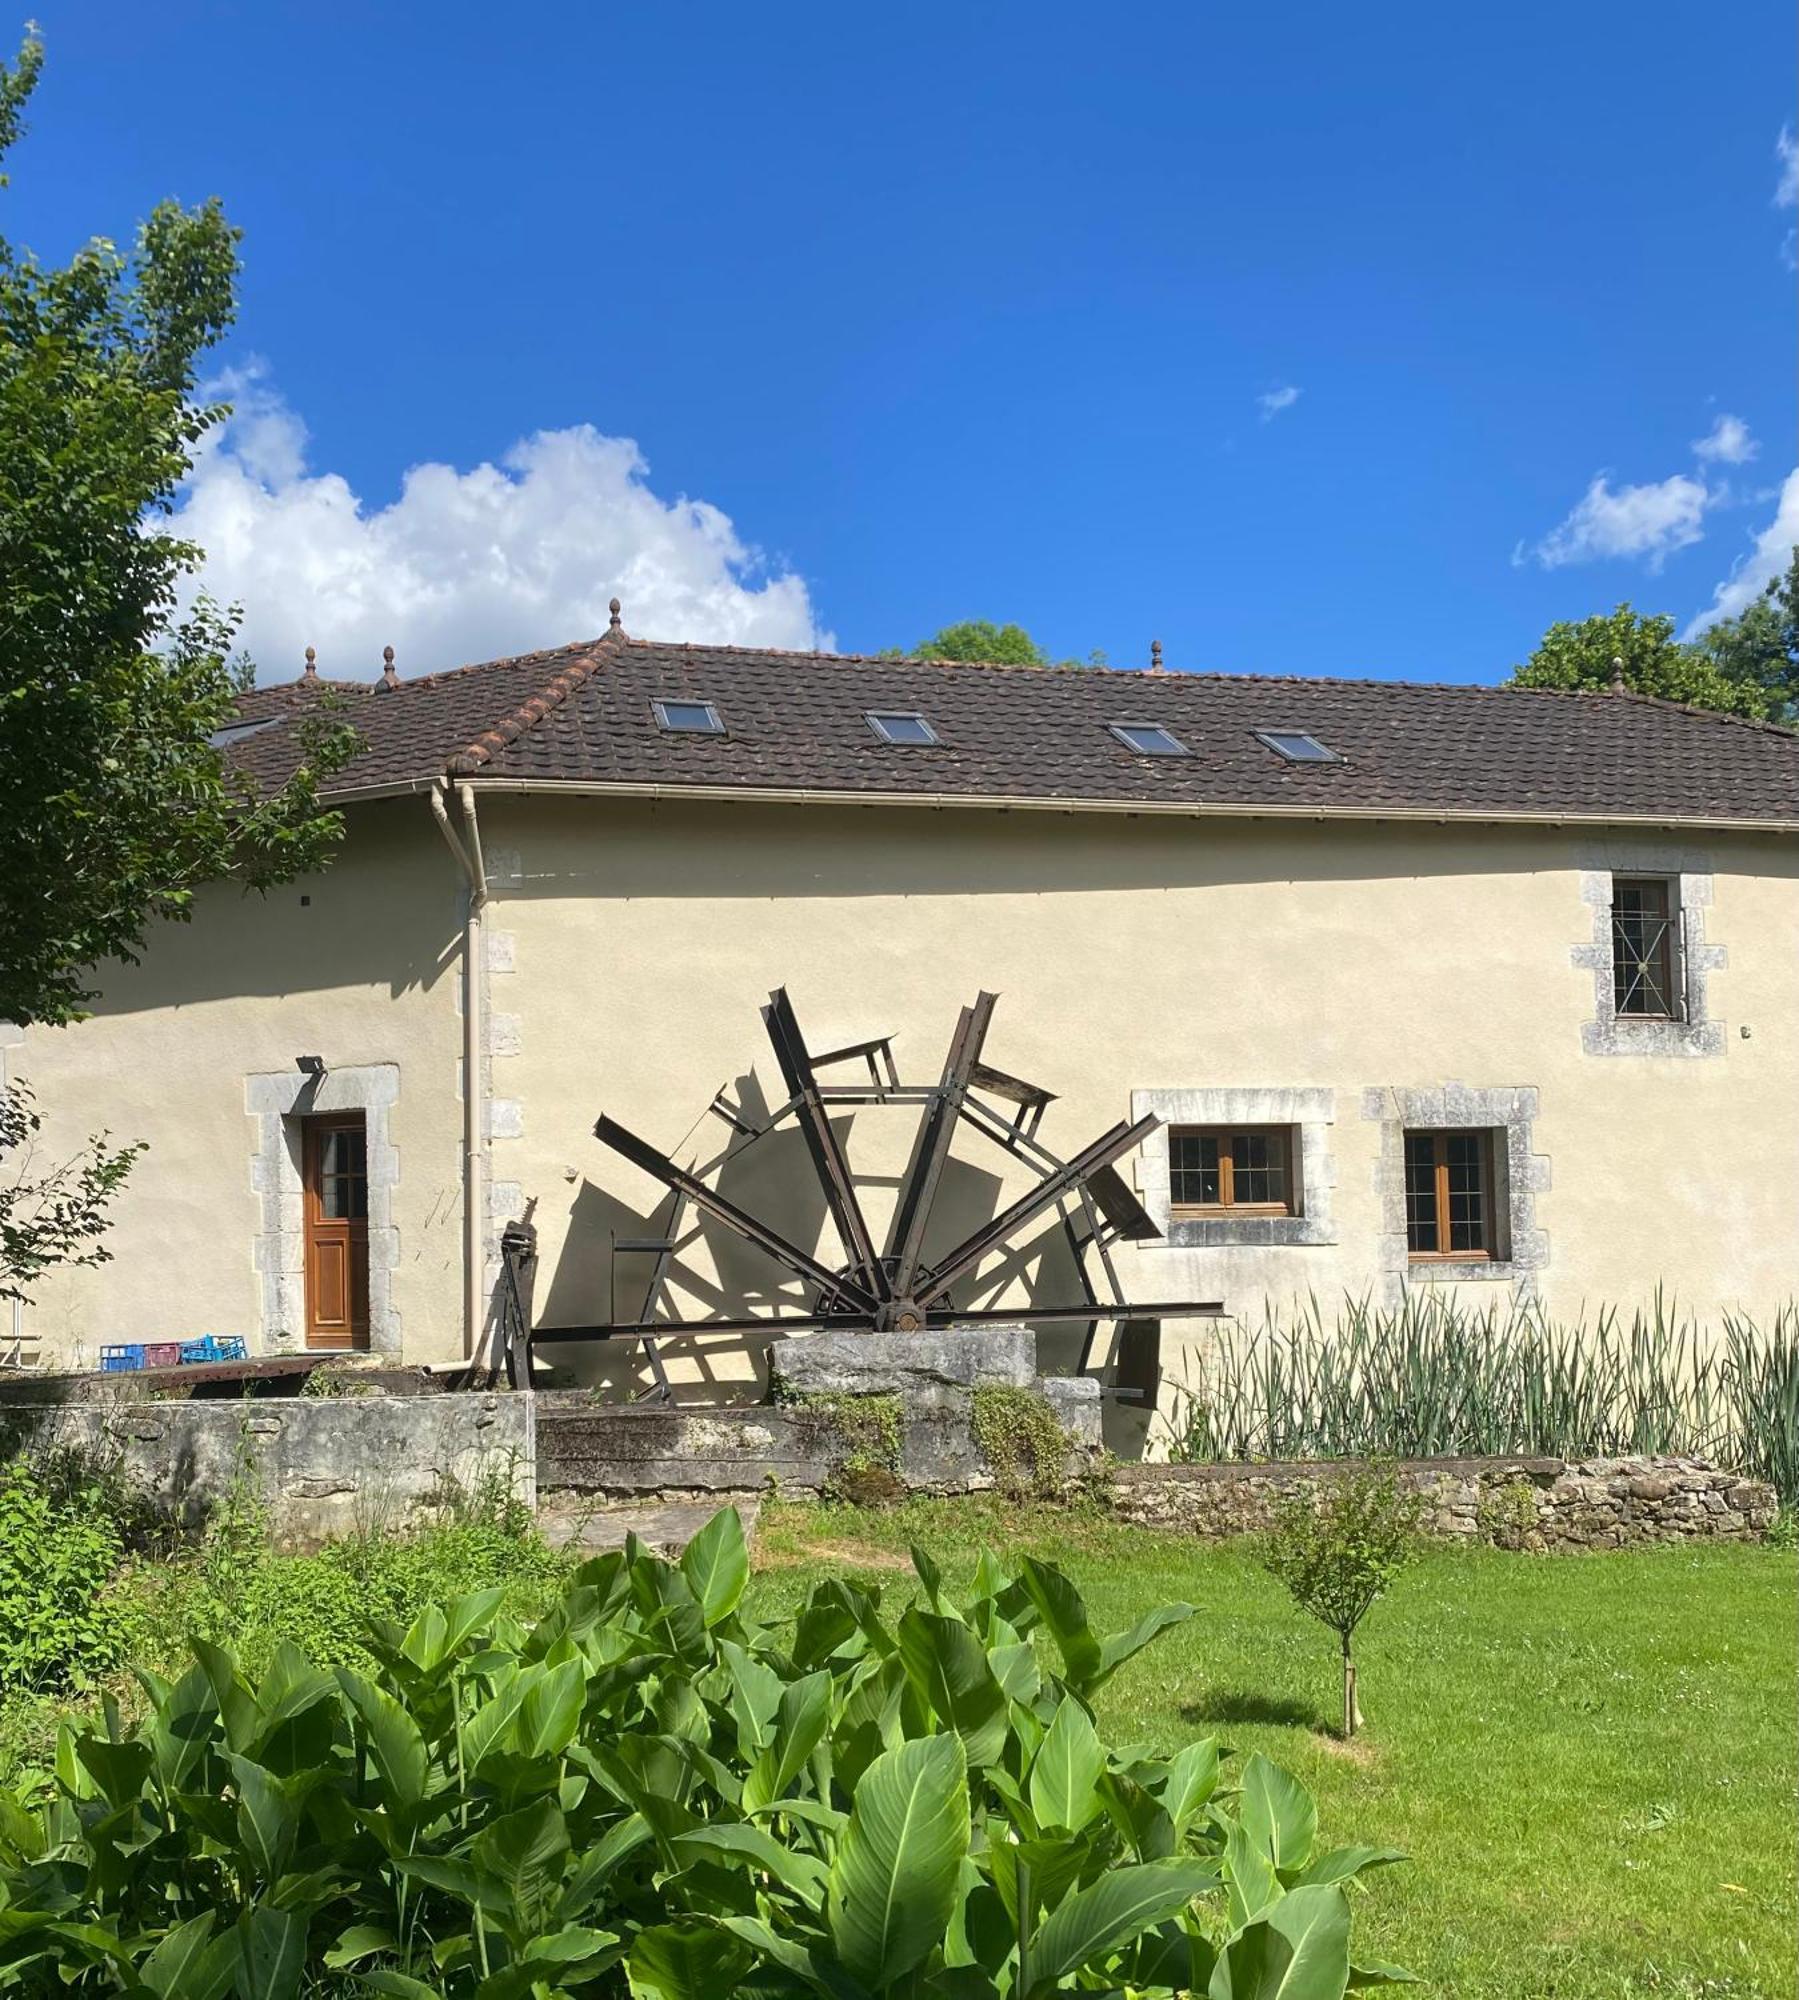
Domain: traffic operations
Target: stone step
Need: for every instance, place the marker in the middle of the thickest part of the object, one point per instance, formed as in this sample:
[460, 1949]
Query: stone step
[665, 1526]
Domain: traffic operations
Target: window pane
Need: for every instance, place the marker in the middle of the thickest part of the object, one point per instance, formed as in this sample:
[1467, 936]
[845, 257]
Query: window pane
[1467, 1160]
[1421, 1193]
[1193, 1169]
[1258, 1167]
[895, 727]
[1643, 955]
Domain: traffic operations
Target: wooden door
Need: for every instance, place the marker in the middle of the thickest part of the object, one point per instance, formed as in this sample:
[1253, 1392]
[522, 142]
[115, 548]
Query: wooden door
[337, 1231]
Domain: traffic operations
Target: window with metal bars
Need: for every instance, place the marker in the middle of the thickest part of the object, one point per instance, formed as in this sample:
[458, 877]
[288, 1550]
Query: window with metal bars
[1646, 975]
[1449, 1195]
[1246, 1169]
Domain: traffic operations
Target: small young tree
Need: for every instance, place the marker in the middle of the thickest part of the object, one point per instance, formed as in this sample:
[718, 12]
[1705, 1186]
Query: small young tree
[1337, 1549]
[53, 1215]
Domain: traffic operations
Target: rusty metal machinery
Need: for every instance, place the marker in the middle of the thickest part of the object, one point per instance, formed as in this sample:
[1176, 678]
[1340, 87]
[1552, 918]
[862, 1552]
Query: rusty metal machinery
[889, 1286]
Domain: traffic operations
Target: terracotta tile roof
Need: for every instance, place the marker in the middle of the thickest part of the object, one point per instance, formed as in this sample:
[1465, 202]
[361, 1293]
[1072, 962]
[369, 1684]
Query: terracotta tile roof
[797, 721]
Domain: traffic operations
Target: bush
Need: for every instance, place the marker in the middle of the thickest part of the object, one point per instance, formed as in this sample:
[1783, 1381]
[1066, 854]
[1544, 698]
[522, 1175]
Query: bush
[647, 1788]
[60, 1542]
[1338, 1549]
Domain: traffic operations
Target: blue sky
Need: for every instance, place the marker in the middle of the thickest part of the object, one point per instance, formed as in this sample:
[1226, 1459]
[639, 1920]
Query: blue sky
[966, 311]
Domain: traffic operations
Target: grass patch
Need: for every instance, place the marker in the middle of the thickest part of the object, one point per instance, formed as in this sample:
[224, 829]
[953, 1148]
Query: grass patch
[1591, 1759]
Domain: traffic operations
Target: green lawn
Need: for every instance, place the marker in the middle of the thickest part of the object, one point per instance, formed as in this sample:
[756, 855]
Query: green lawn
[1590, 1759]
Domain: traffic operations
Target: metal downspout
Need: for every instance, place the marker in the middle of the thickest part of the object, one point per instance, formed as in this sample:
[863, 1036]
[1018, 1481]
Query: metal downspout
[469, 857]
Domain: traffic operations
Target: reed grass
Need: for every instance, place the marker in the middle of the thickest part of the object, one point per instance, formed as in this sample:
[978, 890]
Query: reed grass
[1432, 1378]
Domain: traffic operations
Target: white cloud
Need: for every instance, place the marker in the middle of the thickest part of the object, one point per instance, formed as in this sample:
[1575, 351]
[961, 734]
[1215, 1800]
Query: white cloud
[1772, 552]
[1273, 401]
[465, 565]
[1728, 442]
[1786, 151]
[1643, 522]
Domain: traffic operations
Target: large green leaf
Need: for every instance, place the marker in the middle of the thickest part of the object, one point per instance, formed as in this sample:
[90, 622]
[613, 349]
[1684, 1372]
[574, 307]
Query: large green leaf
[1254, 1885]
[1060, 1606]
[689, 1960]
[799, 1726]
[1122, 1646]
[1066, 1769]
[267, 1818]
[750, 1846]
[1343, 1864]
[525, 1851]
[271, 1953]
[550, 1712]
[394, 1742]
[1277, 1813]
[947, 1664]
[1121, 1905]
[190, 1963]
[1298, 1951]
[1192, 1779]
[716, 1565]
[895, 1874]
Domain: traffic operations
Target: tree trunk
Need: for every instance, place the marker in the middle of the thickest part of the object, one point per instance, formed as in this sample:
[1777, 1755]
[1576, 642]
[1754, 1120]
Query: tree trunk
[1352, 1709]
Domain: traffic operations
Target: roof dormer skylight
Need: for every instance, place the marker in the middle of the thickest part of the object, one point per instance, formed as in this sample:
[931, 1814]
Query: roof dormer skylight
[904, 726]
[1149, 739]
[1296, 746]
[688, 718]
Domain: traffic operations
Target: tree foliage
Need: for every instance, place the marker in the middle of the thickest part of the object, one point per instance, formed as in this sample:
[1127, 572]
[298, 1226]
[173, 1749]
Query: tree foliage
[979, 639]
[1747, 665]
[650, 1792]
[114, 803]
[1759, 648]
[1643, 651]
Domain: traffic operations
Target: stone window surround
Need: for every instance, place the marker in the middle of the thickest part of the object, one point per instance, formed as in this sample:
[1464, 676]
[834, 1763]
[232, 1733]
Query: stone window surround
[1609, 1033]
[1311, 1113]
[278, 1102]
[1519, 1173]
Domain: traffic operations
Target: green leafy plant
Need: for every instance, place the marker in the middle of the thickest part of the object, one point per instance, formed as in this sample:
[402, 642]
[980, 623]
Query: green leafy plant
[58, 1552]
[1338, 1548]
[648, 1789]
[1021, 1438]
[1431, 1379]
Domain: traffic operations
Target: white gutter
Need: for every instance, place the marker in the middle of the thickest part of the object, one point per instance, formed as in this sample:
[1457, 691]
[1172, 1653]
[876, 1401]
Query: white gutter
[1128, 808]
[474, 1234]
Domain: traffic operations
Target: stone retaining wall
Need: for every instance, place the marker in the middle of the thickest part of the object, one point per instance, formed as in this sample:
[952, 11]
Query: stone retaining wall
[325, 1466]
[1523, 1503]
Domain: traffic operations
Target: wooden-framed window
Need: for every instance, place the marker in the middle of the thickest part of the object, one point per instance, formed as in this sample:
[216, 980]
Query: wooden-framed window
[1449, 1207]
[1240, 1170]
[1645, 948]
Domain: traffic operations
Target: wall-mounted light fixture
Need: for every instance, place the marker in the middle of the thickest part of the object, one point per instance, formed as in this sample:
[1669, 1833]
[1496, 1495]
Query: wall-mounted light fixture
[310, 1065]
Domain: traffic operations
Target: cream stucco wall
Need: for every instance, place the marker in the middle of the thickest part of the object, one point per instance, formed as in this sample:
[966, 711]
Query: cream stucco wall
[360, 966]
[1135, 955]
[632, 944]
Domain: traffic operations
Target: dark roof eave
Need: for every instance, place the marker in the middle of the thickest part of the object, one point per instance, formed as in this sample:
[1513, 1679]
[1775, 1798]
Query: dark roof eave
[1128, 808]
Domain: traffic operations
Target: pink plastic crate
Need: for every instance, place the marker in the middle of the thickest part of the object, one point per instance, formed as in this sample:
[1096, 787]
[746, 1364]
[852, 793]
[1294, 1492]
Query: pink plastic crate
[162, 1354]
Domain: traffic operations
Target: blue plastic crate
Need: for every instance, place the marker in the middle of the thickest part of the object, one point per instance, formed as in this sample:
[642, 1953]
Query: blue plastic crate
[122, 1358]
[214, 1347]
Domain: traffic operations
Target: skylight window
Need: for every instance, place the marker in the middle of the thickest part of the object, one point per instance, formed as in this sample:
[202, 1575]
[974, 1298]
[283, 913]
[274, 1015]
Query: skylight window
[235, 732]
[688, 718]
[1149, 739]
[1296, 746]
[900, 725]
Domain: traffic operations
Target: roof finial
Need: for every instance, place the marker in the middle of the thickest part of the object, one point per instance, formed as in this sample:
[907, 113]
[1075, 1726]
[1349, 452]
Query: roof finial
[617, 624]
[312, 663]
[1155, 656]
[389, 678]
[1617, 674]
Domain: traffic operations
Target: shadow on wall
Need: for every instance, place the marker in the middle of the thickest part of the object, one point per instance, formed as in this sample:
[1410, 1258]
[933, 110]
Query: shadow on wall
[713, 1271]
